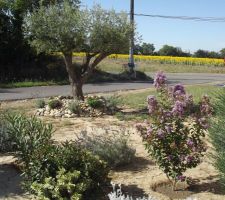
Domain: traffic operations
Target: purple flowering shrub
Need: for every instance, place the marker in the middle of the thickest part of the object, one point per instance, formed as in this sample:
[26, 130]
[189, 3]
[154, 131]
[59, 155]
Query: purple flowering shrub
[173, 135]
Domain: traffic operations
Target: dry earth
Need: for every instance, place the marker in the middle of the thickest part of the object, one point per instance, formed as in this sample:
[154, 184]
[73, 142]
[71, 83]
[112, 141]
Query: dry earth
[138, 179]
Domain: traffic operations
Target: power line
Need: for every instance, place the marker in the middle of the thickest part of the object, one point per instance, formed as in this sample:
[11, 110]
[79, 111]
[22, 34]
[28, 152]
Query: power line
[187, 18]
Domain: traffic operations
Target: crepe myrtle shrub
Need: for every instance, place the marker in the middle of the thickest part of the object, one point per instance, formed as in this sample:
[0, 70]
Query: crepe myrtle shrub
[66, 28]
[174, 133]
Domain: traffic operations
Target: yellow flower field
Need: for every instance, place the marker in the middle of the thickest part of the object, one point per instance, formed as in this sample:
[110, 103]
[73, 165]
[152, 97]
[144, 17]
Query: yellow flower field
[168, 59]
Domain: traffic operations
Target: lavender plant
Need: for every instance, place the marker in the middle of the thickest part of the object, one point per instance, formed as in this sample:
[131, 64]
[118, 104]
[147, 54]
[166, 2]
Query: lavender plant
[173, 135]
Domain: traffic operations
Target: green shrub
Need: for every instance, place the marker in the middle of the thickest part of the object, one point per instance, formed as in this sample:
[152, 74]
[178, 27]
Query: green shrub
[55, 103]
[96, 102]
[112, 103]
[74, 107]
[30, 138]
[109, 146]
[66, 185]
[44, 162]
[217, 136]
[40, 103]
[72, 159]
[174, 133]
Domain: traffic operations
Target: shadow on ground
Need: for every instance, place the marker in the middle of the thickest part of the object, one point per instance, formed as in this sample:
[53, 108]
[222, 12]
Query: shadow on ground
[138, 164]
[10, 180]
[209, 184]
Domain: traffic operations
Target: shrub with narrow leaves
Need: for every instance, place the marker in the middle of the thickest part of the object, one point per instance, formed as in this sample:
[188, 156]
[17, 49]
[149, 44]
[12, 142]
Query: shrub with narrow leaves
[217, 136]
[75, 107]
[55, 103]
[30, 139]
[112, 103]
[96, 102]
[174, 133]
[40, 103]
[110, 145]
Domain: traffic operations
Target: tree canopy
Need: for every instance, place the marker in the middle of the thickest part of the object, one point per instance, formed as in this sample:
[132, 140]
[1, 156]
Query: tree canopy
[66, 28]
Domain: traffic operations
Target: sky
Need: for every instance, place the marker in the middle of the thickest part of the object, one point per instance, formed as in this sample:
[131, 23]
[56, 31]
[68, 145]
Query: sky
[188, 35]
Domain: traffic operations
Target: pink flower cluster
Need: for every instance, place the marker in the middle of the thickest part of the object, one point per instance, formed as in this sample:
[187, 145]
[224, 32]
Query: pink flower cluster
[173, 145]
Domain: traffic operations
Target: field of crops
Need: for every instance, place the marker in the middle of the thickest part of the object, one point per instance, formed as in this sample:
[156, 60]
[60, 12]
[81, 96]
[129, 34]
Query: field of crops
[168, 59]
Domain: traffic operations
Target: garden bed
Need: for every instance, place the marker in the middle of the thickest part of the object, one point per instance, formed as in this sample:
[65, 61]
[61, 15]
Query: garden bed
[140, 178]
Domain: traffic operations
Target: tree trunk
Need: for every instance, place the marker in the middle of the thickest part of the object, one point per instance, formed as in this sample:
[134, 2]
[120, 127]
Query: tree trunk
[78, 90]
[74, 78]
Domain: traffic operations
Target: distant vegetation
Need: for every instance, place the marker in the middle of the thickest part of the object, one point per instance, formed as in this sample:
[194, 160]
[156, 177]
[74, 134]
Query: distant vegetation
[167, 50]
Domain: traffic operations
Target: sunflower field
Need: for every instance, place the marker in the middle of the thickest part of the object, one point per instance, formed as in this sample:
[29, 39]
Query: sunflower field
[168, 59]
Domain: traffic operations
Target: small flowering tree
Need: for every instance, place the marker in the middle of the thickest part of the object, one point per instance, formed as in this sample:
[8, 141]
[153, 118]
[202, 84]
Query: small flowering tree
[174, 134]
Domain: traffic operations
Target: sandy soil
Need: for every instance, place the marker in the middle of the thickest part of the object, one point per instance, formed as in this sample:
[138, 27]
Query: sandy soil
[138, 179]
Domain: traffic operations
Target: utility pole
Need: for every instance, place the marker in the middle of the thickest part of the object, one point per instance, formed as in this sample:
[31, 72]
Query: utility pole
[131, 51]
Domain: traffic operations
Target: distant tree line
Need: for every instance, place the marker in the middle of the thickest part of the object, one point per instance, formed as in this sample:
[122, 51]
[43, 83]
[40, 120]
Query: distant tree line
[167, 50]
[20, 61]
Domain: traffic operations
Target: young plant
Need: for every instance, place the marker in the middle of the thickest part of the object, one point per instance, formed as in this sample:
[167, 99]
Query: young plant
[112, 103]
[96, 102]
[173, 135]
[40, 103]
[54, 104]
[217, 136]
[74, 107]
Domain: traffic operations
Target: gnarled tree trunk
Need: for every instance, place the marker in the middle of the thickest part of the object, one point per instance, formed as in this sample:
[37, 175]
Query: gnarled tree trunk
[78, 76]
[74, 78]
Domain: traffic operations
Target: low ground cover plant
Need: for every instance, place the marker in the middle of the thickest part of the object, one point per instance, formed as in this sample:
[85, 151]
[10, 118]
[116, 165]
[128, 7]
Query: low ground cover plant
[173, 135]
[55, 103]
[92, 106]
[110, 145]
[75, 107]
[40, 103]
[96, 102]
[217, 136]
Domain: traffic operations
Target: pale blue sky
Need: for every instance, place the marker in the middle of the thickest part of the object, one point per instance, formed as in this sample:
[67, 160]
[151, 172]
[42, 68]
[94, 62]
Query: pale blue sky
[188, 35]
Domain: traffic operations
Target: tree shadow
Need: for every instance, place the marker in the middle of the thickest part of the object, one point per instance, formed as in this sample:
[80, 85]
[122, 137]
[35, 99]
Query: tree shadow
[138, 164]
[10, 181]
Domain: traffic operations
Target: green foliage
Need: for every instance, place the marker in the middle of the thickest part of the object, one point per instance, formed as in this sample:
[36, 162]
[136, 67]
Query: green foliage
[222, 53]
[43, 161]
[167, 50]
[111, 146]
[74, 107]
[66, 28]
[144, 49]
[97, 32]
[112, 103]
[40, 103]
[217, 135]
[66, 185]
[30, 138]
[55, 103]
[96, 102]
[174, 134]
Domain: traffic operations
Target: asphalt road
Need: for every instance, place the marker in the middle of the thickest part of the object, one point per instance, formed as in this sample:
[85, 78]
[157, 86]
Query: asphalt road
[47, 91]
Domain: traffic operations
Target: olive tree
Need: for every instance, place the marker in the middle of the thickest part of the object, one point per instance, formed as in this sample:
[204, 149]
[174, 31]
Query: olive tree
[67, 29]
